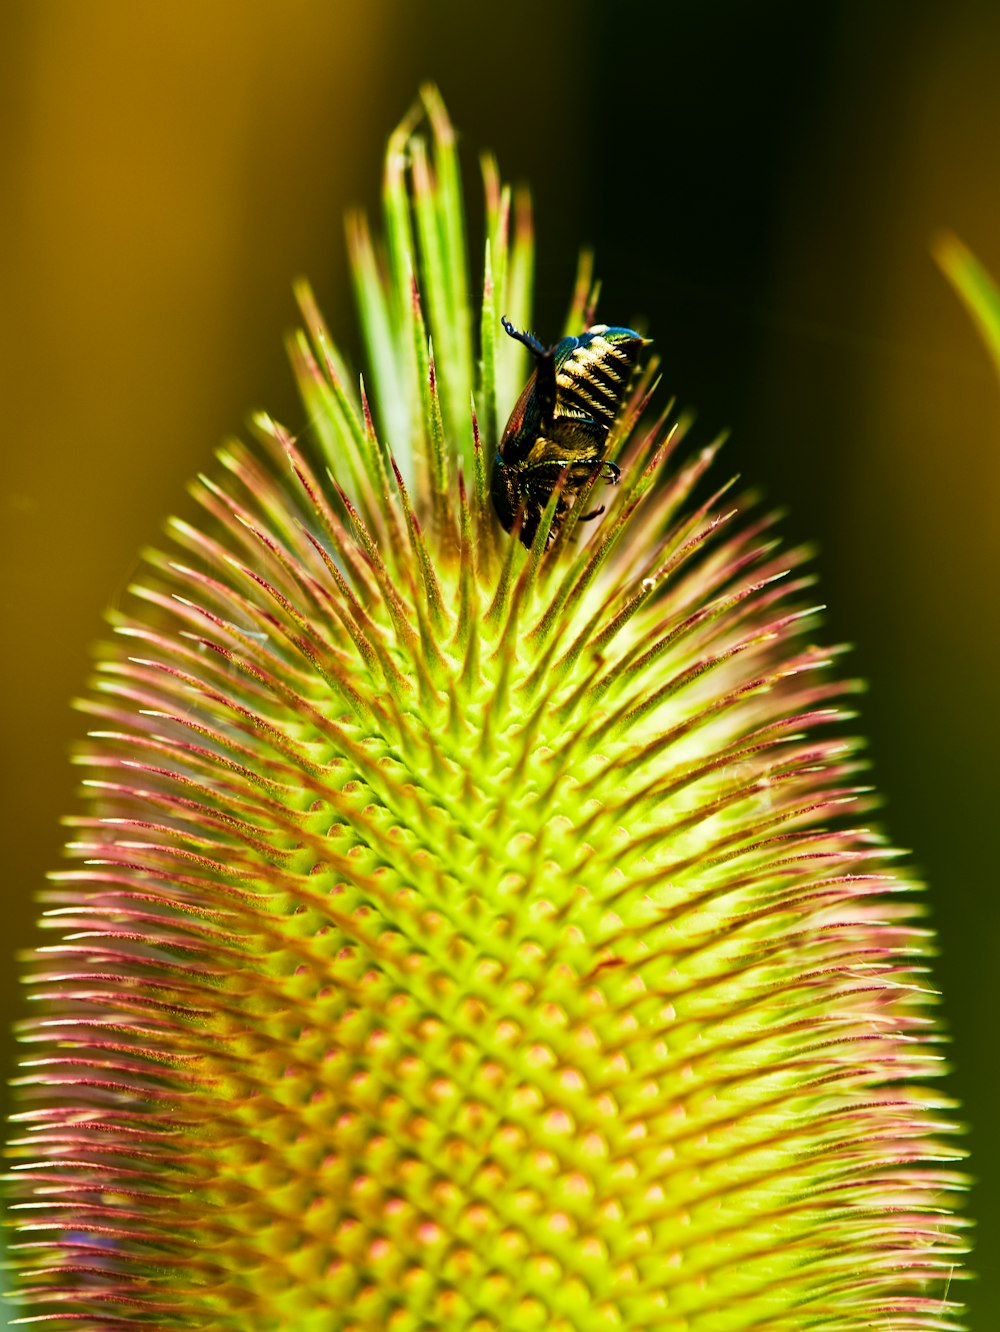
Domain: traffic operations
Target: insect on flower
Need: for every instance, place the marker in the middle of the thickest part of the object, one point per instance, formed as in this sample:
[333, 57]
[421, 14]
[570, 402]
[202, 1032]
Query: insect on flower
[560, 424]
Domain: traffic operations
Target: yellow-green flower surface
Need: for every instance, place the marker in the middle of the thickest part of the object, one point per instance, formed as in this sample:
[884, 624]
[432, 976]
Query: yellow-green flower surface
[467, 936]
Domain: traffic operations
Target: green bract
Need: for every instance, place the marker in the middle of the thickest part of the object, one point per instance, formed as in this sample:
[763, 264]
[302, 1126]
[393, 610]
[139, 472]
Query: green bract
[468, 936]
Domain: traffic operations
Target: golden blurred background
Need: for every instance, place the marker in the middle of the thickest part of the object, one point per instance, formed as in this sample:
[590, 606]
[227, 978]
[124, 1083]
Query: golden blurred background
[761, 182]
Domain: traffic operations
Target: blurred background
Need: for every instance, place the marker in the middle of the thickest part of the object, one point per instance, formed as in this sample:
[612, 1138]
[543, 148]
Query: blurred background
[761, 182]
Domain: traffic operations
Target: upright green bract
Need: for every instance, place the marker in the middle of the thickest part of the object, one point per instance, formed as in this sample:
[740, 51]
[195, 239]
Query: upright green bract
[468, 935]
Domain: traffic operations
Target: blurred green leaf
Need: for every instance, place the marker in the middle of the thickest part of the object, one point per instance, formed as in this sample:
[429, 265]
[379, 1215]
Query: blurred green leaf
[974, 285]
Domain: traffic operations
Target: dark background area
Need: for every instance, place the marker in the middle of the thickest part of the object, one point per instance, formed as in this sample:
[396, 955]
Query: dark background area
[761, 182]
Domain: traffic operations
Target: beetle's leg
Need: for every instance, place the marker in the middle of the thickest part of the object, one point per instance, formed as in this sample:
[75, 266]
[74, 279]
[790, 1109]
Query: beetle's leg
[612, 480]
[529, 339]
[545, 371]
[594, 513]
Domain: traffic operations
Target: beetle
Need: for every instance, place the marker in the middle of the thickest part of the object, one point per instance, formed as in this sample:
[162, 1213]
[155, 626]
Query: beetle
[560, 424]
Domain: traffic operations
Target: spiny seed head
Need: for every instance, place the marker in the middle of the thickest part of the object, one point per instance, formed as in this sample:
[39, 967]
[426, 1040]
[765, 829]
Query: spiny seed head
[465, 935]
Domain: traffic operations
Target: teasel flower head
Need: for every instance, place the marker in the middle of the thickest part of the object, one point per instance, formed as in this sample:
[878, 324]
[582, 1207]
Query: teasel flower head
[466, 934]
